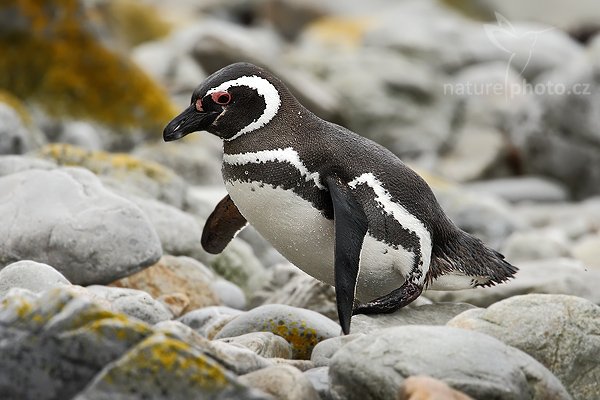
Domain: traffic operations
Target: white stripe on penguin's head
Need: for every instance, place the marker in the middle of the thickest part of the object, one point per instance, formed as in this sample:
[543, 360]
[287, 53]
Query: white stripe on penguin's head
[265, 89]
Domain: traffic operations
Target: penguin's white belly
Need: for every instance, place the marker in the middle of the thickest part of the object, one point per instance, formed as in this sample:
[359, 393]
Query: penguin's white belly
[305, 237]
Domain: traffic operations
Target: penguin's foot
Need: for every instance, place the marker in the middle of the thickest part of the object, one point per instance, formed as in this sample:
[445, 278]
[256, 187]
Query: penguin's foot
[391, 302]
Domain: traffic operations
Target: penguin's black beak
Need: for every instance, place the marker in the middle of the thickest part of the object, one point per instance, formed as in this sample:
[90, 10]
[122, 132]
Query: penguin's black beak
[190, 120]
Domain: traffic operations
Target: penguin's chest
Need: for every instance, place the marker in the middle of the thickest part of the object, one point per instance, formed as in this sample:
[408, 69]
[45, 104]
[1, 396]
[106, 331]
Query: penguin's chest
[299, 231]
[288, 206]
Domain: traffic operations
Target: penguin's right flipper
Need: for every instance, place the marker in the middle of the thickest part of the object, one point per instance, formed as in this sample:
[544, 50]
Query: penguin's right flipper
[351, 226]
[221, 226]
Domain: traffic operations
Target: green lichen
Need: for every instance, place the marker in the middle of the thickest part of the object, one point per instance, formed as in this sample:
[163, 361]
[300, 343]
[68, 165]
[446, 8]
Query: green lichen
[51, 56]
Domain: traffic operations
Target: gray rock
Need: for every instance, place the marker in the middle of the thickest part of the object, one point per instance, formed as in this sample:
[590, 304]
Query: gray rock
[529, 48]
[283, 382]
[11, 164]
[182, 282]
[474, 212]
[208, 321]
[475, 152]
[558, 276]
[587, 250]
[290, 17]
[429, 314]
[238, 359]
[536, 245]
[426, 31]
[562, 16]
[30, 275]
[303, 329]
[569, 161]
[134, 303]
[323, 351]
[492, 97]
[531, 188]
[15, 137]
[90, 235]
[319, 378]
[229, 293]
[238, 264]
[575, 220]
[458, 357]
[263, 250]
[265, 344]
[567, 148]
[409, 96]
[165, 368]
[561, 332]
[197, 160]
[234, 357]
[178, 231]
[201, 200]
[306, 292]
[54, 344]
[83, 134]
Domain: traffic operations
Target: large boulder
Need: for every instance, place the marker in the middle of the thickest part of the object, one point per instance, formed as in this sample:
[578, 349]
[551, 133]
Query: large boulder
[376, 366]
[559, 331]
[66, 218]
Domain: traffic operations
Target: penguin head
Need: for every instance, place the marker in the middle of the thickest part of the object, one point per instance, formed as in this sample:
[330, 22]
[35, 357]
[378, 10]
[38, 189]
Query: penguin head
[233, 101]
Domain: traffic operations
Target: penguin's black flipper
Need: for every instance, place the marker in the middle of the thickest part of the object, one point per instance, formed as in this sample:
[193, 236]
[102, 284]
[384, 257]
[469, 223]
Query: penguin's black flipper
[350, 229]
[392, 301]
[221, 226]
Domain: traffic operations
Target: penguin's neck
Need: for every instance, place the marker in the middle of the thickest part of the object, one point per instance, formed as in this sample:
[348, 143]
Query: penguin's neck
[287, 129]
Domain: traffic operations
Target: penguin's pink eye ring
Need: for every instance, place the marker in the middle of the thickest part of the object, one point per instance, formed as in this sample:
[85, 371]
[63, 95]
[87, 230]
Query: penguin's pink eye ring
[221, 98]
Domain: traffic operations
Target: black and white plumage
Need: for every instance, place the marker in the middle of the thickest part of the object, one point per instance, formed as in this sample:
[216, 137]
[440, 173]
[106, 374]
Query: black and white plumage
[339, 206]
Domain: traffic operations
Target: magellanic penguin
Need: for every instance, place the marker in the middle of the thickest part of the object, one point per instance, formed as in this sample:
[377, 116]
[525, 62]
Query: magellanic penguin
[342, 208]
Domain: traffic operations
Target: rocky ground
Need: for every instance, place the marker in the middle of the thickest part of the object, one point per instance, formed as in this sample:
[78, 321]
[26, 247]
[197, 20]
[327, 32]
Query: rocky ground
[106, 292]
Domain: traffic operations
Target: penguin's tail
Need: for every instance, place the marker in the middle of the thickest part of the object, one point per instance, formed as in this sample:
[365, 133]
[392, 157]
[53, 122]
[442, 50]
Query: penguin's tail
[464, 254]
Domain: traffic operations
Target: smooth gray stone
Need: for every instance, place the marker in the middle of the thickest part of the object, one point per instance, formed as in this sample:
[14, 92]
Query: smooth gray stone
[428, 314]
[178, 231]
[528, 188]
[374, 367]
[265, 344]
[319, 377]
[66, 218]
[284, 382]
[208, 320]
[323, 351]
[303, 329]
[133, 302]
[561, 332]
[30, 275]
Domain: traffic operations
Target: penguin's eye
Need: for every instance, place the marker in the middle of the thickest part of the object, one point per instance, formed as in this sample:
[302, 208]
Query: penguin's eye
[222, 98]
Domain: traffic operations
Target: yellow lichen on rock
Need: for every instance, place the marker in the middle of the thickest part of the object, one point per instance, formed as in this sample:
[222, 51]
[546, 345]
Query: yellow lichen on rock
[160, 354]
[302, 338]
[51, 56]
[17, 105]
[102, 163]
